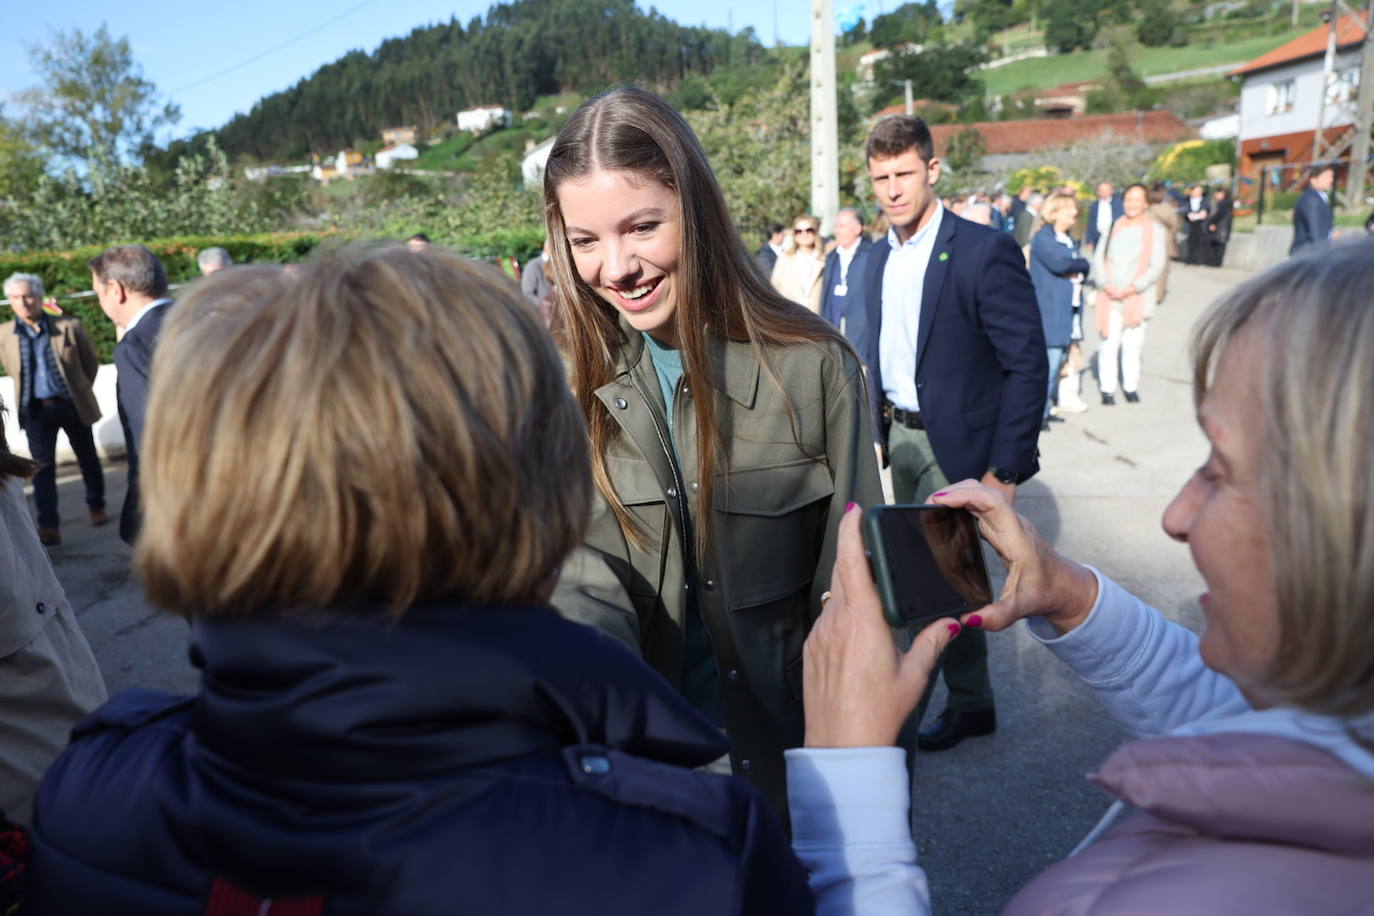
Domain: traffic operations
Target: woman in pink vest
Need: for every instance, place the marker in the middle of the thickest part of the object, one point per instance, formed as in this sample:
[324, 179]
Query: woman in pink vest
[1251, 783]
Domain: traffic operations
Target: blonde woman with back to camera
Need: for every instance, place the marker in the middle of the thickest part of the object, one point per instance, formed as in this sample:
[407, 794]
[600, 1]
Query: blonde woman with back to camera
[1252, 776]
[360, 483]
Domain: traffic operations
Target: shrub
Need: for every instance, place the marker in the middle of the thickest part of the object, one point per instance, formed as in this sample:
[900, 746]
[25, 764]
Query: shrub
[65, 273]
[1187, 162]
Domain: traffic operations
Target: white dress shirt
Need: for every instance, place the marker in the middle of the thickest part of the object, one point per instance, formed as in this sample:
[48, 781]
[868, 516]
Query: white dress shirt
[1104, 217]
[846, 258]
[138, 316]
[904, 278]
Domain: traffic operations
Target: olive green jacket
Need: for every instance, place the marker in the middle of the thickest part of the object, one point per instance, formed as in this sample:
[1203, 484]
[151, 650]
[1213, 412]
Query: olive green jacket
[774, 529]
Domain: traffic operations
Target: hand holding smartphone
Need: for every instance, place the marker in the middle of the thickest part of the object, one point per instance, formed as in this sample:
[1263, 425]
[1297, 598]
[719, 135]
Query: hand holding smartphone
[926, 562]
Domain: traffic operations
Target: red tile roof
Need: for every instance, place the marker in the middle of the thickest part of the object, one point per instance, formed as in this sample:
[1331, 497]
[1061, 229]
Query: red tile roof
[1349, 31]
[916, 104]
[1004, 137]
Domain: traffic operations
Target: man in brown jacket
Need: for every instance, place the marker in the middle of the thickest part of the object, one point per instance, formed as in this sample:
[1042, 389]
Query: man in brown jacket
[53, 365]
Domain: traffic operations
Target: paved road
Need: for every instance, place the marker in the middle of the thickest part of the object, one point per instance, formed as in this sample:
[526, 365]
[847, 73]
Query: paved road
[993, 811]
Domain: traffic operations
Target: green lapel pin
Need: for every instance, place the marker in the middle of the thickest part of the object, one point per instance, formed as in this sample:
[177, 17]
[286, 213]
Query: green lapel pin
[944, 256]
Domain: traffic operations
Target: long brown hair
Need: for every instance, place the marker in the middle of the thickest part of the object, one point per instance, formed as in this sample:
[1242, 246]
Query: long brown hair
[11, 465]
[721, 292]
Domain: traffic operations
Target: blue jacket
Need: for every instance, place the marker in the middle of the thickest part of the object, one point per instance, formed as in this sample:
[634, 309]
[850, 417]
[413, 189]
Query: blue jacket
[834, 307]
[1051, 265]
[460, 760]
[1312, 220]
[981, 373]
[1090, 234]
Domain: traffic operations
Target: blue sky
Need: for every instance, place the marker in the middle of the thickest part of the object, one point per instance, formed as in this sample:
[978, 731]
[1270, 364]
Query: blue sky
[182, 44]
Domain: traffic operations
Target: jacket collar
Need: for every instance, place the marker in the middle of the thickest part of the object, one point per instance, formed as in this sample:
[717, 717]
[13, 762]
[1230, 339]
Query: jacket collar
[354, 694]
[733, 364]
[43, 323]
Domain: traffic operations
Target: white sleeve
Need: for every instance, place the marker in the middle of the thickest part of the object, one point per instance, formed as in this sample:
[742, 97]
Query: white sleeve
[1146, 670]
[851, 830]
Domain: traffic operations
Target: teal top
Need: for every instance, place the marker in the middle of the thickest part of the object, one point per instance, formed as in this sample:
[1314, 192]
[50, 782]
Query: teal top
[700, 677]
[668, 368]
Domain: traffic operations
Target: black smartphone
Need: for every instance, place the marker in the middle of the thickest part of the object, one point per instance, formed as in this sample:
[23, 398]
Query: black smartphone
[926, 561]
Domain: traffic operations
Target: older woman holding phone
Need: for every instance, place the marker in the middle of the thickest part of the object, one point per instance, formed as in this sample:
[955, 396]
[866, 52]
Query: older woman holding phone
[1254, 758]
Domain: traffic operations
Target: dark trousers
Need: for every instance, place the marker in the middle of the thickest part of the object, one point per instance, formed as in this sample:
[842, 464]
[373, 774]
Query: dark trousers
[42, 425]
[916, 475]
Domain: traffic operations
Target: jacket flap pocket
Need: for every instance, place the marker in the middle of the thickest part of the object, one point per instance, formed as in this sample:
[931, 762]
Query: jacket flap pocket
[634, 480]
[775, 491]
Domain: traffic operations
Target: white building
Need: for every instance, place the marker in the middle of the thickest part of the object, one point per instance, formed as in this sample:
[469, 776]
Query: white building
[532, 165]
[389, 156]
[483, 117]
[1281, 99]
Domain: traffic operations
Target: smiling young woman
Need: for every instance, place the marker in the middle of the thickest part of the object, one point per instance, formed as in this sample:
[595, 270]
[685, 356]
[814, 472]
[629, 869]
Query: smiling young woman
[727, 424]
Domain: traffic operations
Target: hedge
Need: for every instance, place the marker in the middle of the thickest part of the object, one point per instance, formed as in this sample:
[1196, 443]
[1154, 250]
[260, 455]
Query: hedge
[65, 272]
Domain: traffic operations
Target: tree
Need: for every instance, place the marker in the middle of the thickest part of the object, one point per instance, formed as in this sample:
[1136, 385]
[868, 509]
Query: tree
[1072, 24]
[910, 22]
[1124, 90]
[21, 165]
[94, 103]
[1157, 24]
[943, 73]
[965, 154]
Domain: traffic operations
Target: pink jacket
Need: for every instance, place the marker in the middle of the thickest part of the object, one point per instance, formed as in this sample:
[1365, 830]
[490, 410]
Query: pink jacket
[1226, 823]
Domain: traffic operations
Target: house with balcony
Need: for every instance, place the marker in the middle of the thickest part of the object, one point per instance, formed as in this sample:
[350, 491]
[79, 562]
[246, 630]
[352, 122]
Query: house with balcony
[1281, 101]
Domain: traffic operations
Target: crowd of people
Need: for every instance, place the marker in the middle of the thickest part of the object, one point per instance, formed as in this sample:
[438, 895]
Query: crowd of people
[501, 612]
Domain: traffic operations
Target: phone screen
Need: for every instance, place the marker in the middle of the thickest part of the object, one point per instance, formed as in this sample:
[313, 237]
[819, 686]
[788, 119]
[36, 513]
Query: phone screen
[927, 562]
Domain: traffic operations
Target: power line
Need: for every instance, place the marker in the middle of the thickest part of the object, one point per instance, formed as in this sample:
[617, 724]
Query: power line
[257, 57]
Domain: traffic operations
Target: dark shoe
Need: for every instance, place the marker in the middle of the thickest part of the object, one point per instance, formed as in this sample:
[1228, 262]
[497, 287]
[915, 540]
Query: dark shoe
[954, 726]
[1055, 418]
[1044, 426]
[1133, 397]
[1108, 400]
[50, 537]
[99, 517]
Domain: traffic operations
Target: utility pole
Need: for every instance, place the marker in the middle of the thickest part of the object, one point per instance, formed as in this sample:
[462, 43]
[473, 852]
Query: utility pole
[1337, 109]
[825, 150]
[1364, 119]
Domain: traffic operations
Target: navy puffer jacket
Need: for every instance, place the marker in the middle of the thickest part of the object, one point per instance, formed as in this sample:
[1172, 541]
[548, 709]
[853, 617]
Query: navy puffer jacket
[459, 760]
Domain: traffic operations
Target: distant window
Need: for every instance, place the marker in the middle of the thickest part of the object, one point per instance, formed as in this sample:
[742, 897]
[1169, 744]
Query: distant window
[1281, 97]
[1345, 89]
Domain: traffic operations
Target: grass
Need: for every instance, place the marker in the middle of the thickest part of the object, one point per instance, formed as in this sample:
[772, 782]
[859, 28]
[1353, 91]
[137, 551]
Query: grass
[1045, 72]
[444, 154]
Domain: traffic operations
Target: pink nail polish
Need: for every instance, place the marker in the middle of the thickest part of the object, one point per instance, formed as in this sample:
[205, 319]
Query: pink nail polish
[850, 508]
[954, 629]
[941, 493]
[974, 620]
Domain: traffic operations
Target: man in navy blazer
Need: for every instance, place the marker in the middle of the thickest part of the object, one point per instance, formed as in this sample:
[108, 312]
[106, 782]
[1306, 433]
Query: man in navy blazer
[842, 276]
[1313, 220]
[950, 331]
[131, 284]
[1105, 211]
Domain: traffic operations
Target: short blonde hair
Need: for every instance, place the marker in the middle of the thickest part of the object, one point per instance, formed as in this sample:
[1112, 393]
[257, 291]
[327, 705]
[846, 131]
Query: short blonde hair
[383, 426]
[1054, 204]
[1316, 393]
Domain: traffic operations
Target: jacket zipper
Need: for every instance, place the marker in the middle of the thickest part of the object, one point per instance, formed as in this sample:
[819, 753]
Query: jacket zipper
[688, 567]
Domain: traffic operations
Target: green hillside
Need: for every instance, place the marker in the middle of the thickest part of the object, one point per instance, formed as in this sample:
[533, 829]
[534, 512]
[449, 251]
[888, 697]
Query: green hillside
[1045, 72]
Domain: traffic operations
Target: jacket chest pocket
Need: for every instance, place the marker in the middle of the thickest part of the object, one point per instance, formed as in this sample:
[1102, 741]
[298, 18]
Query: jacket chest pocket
[771, 525]
[651, 509]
